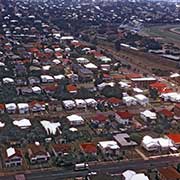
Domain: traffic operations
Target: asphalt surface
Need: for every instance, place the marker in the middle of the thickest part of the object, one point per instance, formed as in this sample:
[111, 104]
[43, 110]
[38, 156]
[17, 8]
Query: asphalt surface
[100, 168]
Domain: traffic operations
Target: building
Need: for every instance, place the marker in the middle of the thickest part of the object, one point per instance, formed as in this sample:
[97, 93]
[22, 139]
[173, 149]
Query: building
[143, 82]
[156, 144]
[168, 173]
[75, 120]
[88, 148]
[61, 149]
[109, 147]
[131, 175]
[37, 154]
[124, 140]
[177, 111]
[13, 157]
[123, 117]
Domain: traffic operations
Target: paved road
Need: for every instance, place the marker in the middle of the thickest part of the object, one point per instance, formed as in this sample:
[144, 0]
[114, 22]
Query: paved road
[103, 168]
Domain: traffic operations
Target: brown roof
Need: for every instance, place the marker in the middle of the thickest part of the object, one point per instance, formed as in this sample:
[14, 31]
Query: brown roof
[170, 173]
[64, 148]
[35, 150]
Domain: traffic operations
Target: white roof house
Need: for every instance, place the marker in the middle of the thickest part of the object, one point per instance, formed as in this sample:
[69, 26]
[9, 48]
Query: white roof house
[90, 66]
[82, 60]
[11, 107]
[148, 115]
[47, 78]
[129, 100]
[2, 124]
[23, 123]
[108, 144]
[105, 59]
[59, 77]
[23, 107]
[69, 104]
[142, 99]
[10, 151]
[75, 119]
[67, 38]
[154, 144]
[8, 80]
[91, 102]
[124, 84]
[36, 89]
[174, 97]
[80, 103]
[131, 175]
[51, 127]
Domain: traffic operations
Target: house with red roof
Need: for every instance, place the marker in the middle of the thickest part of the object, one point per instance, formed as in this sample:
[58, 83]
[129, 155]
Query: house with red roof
[71, 88]
[113, 101]
[177, 111]
[13, 157]
[166, 114]
[99, 120]
[88, 148]
[175, 138]
[2, 108]
[37, 153]
[37, 106]
[61, 149]
[123, 117]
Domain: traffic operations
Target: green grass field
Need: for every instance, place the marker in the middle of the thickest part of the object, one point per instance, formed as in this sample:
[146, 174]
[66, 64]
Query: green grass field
[165, 33]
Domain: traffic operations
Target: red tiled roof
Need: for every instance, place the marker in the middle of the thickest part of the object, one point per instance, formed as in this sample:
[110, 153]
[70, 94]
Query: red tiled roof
[158, 85]
[2, 107]
[100, 118]
[113, 100]
[125, 114]
[134, 75]
[33, 103]
[167, 113]
[64, 148]
[71, 87]
[89, 147]
[177, 106]
[174, 137]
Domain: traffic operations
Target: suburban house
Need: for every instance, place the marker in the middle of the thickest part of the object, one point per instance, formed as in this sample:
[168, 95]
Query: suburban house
[132, 175]
[168, 173]
[13, 157]
[99, 120]
[11, 108]
[37, 153]
[37, 106]
[72, 88]
[2, 108]
[166, 114]
[123, 117]
[156, 144]
[88, 148]
[148, 115]
[75, 120]
[115, 102]
[175, 138]
[23, 108]
[143, 82]
[85, 74]
[109, 147]
[69, 104]
[80, 103]
[60, 149]
[124, 140]
[177, 111]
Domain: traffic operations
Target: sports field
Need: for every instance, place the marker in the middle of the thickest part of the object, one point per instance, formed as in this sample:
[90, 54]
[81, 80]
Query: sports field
[166, 33]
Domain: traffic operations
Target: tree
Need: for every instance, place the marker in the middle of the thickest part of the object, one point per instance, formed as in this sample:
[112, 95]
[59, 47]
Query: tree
[115, 91]
[117, 45]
